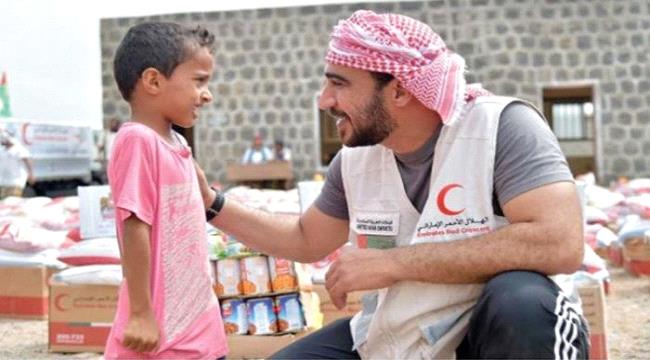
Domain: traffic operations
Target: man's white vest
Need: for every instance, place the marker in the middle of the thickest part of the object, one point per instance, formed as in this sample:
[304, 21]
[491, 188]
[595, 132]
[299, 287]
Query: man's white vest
[418, 319]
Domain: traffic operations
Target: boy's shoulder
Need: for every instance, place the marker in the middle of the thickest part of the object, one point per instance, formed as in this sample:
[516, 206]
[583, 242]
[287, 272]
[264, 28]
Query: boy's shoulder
[133, 131]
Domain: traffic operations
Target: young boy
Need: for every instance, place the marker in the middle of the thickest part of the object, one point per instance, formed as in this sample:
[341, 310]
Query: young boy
[166, 306]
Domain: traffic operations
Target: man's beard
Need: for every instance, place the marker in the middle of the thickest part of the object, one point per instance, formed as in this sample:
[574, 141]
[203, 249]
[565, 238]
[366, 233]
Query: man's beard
[375, 124]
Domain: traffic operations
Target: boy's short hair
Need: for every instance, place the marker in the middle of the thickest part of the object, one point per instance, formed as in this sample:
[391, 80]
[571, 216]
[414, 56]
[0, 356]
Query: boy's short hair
[159, 45]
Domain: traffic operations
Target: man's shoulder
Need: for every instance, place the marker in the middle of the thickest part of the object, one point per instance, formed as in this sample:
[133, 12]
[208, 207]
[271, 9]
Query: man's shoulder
[493, 101]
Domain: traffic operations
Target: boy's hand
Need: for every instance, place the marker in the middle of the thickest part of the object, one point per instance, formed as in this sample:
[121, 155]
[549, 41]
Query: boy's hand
[141, 333]
[206, 193]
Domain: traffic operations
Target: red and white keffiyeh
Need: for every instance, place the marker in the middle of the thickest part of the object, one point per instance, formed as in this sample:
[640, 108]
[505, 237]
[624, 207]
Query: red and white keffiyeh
[410, 51]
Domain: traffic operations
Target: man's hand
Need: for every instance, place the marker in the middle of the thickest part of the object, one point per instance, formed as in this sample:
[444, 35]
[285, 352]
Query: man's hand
[360, 269]
[141, 333]
[206, 193]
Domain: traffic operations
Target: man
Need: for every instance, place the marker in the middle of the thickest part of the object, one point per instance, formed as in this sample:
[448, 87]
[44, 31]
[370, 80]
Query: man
[113, 127]
[15, 166]
[257, 153]
[281, 152]
[460, 203]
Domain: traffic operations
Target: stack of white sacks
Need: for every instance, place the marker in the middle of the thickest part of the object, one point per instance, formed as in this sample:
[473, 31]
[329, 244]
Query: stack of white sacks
[95, 259]
[34, 230]
[615, 216]
[91, 262]
[42, 231]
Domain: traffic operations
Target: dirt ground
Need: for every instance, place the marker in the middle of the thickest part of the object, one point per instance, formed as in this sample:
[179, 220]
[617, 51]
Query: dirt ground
[628, 316]
[628, 312]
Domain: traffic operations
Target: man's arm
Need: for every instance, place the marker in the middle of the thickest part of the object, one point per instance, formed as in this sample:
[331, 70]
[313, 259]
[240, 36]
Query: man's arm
[305, 238]
[30, 171]
[141, 333]
[544, 235]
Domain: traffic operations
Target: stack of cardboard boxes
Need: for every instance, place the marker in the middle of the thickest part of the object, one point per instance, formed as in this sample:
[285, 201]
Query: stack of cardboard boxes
[24, 292]
[592, 296]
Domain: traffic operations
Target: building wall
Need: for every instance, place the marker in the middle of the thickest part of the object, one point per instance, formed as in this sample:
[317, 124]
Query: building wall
[269, 65]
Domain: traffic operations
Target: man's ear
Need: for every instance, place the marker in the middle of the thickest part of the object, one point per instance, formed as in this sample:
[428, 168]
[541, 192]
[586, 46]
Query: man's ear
[400, 96]
[152, 81]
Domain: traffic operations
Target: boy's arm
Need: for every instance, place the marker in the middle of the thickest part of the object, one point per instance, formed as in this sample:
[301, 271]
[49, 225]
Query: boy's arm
[141, 333]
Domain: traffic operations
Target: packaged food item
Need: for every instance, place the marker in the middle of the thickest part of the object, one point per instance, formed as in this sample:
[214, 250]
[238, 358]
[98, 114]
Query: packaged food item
[255, 277]
[228, 277]
[283, 275]
[235, 317]
[290, 317]
[261, 317]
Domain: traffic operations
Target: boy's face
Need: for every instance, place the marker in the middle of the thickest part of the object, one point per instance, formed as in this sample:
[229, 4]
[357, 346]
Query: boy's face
[186, 90]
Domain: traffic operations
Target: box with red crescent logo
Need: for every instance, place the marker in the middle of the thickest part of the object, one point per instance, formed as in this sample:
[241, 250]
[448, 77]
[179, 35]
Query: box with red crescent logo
[81, 317]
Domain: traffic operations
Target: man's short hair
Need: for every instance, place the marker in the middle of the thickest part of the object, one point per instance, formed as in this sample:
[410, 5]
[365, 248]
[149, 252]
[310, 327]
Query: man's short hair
[158, 45]
[381, 79]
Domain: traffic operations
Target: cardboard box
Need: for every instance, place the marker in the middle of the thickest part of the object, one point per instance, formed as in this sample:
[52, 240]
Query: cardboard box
[615, 254]
[96, 212]
[259, 346]
[593, 307]
[81, 317]
[24, 292]
[636, 256]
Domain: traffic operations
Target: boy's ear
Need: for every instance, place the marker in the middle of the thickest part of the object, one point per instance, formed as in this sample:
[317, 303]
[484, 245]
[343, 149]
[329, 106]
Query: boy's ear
[152, 81]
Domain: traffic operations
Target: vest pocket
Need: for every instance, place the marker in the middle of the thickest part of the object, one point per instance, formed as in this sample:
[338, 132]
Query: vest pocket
[363, 319]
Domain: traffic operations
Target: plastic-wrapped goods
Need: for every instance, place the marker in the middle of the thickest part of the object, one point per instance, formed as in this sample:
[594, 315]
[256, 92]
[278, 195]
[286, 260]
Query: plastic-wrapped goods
[255, 277]
[92, 252]
[90, 275]
[261, 317]
[227, 277]
[633, 228]
[19, 234]
[602, 198]
[233, 312]
[283, 275]
[640, 205]
[290, 316]
[640, 185]
[594, 215]
[593, 264]
[46, 258]
[60, 214]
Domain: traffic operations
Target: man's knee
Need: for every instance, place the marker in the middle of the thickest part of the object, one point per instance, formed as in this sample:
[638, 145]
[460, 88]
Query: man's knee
[514, 300]
[518, 316]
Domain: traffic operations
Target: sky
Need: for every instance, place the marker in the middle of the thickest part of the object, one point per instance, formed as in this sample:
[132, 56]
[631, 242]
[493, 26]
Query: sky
[50, 50]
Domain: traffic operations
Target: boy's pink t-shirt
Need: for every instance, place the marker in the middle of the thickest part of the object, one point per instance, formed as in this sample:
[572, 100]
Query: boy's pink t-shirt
[157, 182]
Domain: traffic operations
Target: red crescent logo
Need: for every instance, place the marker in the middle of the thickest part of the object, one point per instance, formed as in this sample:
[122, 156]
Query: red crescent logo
[24, 134]
[57, 301]
[442, 195]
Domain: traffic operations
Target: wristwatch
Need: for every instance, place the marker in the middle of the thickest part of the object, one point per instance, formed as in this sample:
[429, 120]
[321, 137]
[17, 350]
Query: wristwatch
[216, 206]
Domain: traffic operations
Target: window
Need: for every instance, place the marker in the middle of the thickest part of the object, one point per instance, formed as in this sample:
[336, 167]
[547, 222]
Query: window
[570, 112]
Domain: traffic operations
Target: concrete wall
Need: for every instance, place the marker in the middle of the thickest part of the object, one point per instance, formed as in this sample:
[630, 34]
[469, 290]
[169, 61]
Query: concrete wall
[270, 63]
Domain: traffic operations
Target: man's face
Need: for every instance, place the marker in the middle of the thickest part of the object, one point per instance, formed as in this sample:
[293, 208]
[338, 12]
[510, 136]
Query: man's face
[350, 96]
[186, 90]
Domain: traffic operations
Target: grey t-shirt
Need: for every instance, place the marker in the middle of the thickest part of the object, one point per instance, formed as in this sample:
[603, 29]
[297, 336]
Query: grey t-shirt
[527, 156]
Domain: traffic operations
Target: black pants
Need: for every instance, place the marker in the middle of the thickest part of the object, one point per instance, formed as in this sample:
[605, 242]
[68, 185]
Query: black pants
[520, 315]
